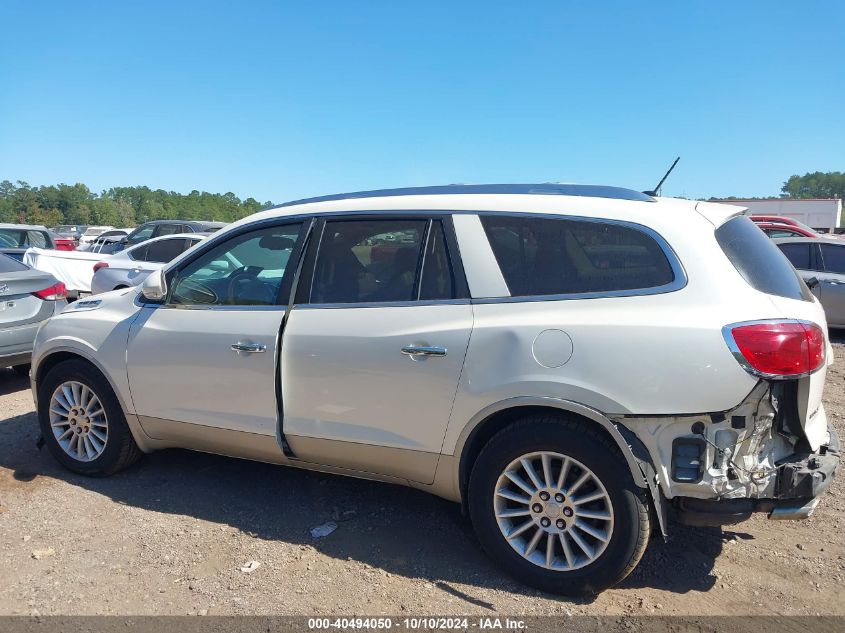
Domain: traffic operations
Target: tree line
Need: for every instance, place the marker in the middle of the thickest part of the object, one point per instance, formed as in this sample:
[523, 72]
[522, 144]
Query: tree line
[52, 205]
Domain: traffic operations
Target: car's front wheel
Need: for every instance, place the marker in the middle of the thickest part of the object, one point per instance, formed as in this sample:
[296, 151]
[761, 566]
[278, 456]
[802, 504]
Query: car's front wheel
[553, 502]
[82, 421]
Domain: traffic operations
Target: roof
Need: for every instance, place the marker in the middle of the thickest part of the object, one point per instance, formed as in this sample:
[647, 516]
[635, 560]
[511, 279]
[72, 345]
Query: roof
[773, 199]
[547, 189]
[24, 227]
[194, 222]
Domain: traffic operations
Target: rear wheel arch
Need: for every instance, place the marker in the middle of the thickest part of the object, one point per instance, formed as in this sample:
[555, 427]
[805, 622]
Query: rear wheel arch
[508, 413]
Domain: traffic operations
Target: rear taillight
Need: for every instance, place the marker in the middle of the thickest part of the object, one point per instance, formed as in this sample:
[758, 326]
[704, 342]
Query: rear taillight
[53, 293]
[100, 265]
[777, 349]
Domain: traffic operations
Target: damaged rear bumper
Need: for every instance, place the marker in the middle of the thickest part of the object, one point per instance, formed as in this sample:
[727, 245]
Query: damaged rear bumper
[800, 480]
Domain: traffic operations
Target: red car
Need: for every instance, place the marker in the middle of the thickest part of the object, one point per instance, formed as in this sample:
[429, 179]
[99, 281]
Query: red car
[779, 219]
[64, 243]
[773, 229]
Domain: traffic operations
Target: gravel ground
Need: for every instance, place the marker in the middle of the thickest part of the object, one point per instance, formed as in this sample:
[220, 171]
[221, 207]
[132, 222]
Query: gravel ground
[171, 535]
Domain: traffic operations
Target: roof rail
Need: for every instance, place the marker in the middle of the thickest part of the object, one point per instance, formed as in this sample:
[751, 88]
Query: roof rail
[545, 189]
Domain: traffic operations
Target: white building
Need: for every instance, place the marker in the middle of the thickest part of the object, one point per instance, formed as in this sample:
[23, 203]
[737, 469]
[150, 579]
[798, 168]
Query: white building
[822, 214]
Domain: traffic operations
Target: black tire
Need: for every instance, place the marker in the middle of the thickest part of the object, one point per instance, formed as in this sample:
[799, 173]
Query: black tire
[580, 441]
[120, 450]
[21, 370]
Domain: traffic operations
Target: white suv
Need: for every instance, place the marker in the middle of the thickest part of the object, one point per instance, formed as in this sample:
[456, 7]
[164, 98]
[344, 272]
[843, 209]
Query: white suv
[568, 362]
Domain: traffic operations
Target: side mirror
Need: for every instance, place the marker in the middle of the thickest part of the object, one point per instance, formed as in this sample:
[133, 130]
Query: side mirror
[812, 282]
[154, 287]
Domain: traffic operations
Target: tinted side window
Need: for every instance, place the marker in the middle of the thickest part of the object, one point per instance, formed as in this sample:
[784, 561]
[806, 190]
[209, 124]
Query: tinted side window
[167, 229]
[798, 254]
[138, 254]
[834, 258]
[780, 233]
[759, 261]
[141, 234]
[189, 243]
[550, 256]
[438, 279]
[244, 270]
[368, 260]
[12, 238]
[164, 250]
[36, 238]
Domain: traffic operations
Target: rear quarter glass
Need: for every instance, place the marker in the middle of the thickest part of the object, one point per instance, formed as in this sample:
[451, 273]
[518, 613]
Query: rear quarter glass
[759, 261]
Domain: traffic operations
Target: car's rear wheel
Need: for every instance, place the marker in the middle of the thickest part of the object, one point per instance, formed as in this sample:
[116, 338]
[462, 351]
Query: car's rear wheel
[82, 421]
[553, 502]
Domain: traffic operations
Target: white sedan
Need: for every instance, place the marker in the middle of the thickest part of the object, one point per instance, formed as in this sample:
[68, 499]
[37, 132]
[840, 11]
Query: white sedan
[131, 266]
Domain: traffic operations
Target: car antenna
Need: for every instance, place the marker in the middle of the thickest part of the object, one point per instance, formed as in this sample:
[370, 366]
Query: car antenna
[656, 190]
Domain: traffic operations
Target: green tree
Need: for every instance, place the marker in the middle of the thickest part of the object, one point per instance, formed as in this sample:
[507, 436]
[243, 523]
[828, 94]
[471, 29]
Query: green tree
[816, 185]
[118, 206]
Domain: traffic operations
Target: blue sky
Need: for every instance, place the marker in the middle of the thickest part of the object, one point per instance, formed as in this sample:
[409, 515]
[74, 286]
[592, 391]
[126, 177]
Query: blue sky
[280, 100]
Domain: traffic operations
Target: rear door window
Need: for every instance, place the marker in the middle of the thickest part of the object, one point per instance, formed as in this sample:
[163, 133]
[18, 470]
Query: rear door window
[438, 277]
[36, 238]
[163, 251]
[365, 261]
[167, 229]
[555, 256]
[759, 260]
[833, 256]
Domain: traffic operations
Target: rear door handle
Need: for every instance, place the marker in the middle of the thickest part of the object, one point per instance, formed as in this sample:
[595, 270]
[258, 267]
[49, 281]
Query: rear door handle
[249, 348]
[422, 350]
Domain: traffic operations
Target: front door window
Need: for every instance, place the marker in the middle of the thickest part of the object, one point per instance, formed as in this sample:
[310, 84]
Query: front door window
[246, 270]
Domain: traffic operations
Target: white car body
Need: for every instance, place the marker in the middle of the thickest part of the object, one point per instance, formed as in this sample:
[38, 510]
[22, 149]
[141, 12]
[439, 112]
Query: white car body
[130, 267]
[92, 233]
[643, 366]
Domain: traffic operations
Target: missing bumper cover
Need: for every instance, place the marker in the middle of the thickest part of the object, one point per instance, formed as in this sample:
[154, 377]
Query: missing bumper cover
[801, 480]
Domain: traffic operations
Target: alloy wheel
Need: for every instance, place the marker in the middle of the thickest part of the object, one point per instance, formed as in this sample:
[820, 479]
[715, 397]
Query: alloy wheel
[553, 511]
[78, 421]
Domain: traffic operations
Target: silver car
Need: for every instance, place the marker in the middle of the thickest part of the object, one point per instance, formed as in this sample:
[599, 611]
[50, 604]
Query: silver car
[130, 267]
[28, 297]
[824, 260]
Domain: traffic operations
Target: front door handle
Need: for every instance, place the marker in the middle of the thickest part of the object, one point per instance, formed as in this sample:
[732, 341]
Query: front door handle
[422, 350]
[249, 348]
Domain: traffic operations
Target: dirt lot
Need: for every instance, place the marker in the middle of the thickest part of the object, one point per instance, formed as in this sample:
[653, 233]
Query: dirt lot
[170, 537]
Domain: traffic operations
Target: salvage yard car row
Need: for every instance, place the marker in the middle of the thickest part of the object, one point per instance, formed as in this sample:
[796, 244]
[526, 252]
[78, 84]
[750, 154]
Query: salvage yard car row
[567, 362]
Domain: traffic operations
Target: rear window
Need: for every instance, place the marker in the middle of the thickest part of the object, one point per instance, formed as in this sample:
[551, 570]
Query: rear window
[552, 256]
[759, 261]
[9, 265]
